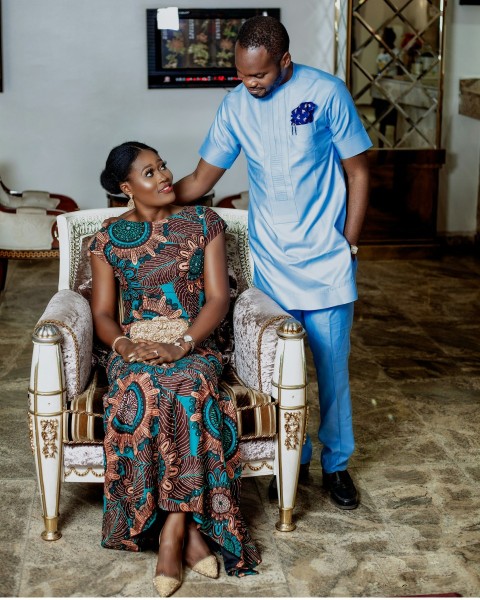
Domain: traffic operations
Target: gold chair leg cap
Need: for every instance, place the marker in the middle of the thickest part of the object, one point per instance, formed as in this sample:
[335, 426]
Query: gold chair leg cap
[51, 536]
[279, 526]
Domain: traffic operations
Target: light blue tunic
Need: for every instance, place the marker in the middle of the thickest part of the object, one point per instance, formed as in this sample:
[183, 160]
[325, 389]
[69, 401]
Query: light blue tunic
[293, 141]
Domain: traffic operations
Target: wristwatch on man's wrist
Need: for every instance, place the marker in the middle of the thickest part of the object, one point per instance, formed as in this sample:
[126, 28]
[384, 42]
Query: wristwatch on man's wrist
[353, 249]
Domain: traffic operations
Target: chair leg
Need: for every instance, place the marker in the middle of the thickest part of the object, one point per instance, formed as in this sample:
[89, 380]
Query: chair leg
[46, 400]
[289, 388]
[3, 273]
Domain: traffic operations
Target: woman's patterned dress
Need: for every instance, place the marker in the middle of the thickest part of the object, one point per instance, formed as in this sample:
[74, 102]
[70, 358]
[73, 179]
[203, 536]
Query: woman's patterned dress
[170, 439]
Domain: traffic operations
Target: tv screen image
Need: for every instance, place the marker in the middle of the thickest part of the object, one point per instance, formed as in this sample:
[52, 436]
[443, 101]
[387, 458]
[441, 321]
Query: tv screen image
[201, 53]
[200, 43]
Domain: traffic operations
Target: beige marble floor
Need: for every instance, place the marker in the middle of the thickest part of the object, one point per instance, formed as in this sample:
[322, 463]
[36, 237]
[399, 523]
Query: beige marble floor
[415, 374]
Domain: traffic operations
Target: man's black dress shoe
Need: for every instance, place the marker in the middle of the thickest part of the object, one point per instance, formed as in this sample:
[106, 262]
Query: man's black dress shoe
[342, 489]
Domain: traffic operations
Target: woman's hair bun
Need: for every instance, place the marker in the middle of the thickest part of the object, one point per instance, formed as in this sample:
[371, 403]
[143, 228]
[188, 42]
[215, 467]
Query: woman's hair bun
[109, 182]
[119, 164]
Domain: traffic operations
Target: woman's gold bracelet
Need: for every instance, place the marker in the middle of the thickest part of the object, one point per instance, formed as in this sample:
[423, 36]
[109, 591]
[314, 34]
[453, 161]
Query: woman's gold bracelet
[180, 341]
[120, 337]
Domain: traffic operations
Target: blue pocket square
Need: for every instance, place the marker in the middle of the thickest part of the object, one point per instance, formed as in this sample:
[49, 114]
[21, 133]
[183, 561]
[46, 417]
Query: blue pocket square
[302, 115]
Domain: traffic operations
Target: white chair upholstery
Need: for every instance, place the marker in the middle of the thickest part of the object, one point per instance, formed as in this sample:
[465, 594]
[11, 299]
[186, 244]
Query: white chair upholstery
[28, 227]
[267, 352]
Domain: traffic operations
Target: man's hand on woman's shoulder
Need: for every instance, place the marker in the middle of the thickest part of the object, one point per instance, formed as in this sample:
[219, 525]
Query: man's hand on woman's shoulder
[111, 220]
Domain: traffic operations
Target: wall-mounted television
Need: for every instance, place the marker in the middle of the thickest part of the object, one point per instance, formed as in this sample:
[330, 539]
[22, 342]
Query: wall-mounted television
[201, 52]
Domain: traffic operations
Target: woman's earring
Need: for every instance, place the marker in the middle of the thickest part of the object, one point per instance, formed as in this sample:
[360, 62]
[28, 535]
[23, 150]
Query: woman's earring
[131, 202]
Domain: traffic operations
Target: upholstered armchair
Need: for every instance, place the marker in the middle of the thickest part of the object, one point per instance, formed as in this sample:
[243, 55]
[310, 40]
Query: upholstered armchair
[28, 228]
[265, 374]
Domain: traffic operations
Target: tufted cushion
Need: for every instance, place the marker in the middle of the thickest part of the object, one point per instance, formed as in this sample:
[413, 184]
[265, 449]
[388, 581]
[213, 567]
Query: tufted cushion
[256, 319]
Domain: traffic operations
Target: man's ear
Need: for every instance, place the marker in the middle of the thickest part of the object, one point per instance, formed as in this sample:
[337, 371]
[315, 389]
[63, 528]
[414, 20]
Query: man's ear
[285, 61]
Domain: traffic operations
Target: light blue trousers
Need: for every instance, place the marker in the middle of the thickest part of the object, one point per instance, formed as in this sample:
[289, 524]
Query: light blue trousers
[328, 333]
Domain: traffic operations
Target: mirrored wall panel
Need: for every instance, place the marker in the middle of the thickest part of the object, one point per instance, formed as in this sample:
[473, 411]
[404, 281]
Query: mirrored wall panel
[391, 54]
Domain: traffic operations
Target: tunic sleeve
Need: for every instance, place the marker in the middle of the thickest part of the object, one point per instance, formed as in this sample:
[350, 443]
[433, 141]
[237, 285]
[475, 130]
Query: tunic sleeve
[221, 147]
[97, 246]
[348, 133]
[214, 225]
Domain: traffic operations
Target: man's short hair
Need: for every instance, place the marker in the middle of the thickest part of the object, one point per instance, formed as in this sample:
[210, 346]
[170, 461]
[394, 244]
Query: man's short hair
[267, 32]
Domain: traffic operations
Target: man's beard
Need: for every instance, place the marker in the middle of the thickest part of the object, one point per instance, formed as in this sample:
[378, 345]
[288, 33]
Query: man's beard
[276, 84]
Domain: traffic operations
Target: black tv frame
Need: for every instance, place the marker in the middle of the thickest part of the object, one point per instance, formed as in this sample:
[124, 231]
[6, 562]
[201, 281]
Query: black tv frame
[188, 75]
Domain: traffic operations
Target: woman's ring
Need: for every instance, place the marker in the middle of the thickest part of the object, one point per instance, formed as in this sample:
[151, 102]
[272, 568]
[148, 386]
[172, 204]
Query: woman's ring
[156, 352]
[163, 365]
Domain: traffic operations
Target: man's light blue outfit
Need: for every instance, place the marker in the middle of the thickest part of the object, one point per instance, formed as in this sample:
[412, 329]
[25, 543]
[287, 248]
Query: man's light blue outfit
[294, 140]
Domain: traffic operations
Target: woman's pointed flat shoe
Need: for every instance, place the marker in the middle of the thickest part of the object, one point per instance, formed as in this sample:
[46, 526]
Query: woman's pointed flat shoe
[208, 566]
[166, 586]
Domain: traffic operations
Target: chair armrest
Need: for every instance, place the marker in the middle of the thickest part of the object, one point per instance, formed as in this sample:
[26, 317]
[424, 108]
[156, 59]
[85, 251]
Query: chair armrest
[71, 314]
[256, 318]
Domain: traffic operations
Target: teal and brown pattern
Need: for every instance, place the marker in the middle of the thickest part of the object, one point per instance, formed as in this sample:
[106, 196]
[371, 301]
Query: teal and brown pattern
[171, 440]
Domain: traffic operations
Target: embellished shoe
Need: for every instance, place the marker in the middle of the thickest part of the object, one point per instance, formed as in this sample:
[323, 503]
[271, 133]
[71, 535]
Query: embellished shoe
[166, 586]
[208, 567]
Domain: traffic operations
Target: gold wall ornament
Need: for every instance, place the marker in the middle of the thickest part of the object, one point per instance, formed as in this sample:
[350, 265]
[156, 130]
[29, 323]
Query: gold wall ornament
[292, 426]
[49, 437]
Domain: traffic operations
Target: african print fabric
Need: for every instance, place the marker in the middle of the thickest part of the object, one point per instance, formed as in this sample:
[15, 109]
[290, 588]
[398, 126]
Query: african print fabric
[171, 440]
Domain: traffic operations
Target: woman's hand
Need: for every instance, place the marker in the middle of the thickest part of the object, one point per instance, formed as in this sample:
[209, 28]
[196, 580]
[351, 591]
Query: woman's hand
[125, 346]
[153, 353]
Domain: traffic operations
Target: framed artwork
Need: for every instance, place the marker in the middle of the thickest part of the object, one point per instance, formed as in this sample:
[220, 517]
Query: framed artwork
[470, 2]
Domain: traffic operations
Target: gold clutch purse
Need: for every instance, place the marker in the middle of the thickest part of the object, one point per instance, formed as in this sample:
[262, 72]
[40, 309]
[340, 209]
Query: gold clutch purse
[159, 329]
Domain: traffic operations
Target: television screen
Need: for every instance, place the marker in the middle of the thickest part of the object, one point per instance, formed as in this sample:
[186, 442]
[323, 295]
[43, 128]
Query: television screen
[201, 52]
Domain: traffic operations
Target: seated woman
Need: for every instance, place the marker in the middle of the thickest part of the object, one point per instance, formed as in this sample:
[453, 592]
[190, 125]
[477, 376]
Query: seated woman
[171, 445]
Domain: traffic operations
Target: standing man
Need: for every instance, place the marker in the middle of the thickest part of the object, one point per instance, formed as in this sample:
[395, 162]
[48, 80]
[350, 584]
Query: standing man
[299, 130]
